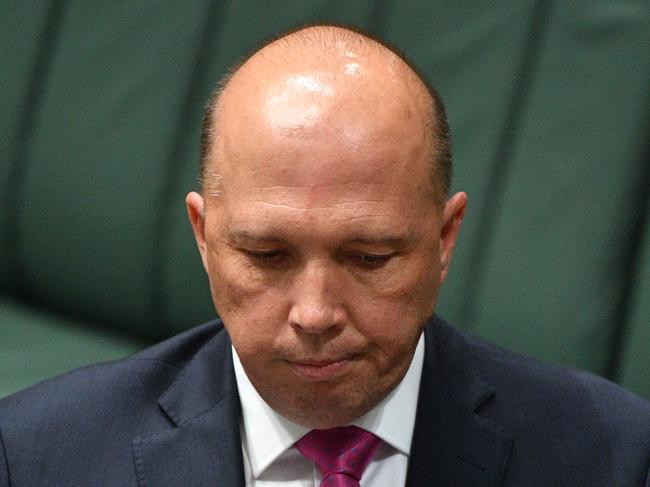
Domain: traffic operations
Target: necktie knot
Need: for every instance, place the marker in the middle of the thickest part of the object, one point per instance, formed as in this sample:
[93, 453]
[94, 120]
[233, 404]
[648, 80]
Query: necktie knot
[341, 454]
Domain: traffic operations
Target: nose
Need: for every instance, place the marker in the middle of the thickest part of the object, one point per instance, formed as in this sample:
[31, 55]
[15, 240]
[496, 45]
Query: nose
[315, 307]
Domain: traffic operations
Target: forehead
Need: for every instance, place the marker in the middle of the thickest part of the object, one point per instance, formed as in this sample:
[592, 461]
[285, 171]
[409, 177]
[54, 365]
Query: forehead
[306, 142]
[323, 215]
[352, 124]
[323, 197]
[325, 174]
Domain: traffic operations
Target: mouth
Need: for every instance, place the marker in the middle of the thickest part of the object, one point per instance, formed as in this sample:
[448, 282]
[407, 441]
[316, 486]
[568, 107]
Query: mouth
[321, 370]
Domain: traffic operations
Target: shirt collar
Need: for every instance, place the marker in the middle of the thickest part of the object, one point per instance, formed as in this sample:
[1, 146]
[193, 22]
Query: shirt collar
[392, 419]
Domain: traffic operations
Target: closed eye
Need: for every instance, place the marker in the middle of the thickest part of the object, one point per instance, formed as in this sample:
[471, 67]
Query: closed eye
[265, 257]
[373, 261]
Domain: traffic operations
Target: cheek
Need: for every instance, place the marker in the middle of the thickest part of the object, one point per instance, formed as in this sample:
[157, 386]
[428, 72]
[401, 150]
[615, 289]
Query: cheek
[393, 316]
[410, 288]
[232, 281]
[227, 287]
[251, 308]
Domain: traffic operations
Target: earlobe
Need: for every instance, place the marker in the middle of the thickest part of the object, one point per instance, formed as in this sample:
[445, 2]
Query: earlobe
[452, 217]
[196, 214]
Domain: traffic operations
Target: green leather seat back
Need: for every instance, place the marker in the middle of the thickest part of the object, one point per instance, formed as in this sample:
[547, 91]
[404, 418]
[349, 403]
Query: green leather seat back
[554, 272]
[634, 357]
[98, 164]
[22, 27]
[37, 345]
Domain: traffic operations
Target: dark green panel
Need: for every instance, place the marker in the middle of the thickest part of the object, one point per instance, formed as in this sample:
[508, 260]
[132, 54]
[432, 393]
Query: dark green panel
[635, 369]
[21, 35]
[186, 297]
[471, 52]
[36, 345]
[98, 159]
[556, 270]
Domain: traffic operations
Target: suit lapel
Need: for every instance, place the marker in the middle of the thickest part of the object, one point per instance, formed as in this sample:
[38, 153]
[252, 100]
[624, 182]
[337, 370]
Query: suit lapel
[452, 445]
[200, 444]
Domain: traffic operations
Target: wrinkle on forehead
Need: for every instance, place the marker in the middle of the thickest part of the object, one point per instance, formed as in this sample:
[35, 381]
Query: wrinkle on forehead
[325, 205]
[318, 196]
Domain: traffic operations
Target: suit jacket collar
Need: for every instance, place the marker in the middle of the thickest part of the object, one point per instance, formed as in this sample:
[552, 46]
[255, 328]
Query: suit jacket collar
[452, 444]
[201, 447]
[199, 442]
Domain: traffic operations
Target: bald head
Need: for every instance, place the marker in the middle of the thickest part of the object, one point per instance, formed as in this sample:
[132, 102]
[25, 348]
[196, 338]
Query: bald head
[326, 81]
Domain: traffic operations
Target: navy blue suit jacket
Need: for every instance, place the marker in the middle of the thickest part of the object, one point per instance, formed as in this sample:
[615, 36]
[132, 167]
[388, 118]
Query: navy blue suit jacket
[168, 416]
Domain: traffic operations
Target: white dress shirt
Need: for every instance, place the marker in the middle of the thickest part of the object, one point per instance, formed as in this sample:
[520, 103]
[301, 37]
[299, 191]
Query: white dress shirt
[270, 460]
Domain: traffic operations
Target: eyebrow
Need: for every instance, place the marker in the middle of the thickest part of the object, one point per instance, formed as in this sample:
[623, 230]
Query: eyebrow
[393, 241]
[273, 237]
[245, 235]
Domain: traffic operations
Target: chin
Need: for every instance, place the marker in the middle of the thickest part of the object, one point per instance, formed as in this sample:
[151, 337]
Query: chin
[324, 420]
[311, 412]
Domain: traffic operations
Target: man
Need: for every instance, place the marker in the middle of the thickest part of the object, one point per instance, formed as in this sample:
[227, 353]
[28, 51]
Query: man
[326, 230]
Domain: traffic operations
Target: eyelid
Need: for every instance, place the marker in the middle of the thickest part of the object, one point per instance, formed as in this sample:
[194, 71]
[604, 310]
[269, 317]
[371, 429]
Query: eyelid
[265, 258]
[378, 255]
[372, 261]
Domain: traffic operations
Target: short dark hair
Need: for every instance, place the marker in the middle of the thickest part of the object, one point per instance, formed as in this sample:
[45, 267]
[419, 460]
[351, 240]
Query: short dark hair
[441, 150]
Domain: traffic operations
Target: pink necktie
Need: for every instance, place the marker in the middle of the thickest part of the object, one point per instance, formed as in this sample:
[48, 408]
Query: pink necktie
[341, 454]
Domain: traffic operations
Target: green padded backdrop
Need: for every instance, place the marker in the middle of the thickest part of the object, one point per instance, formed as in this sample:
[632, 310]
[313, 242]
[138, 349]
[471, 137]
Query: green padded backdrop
[98, 161]
[555, 269]
[635, 354]
[23, 26]
[46, 344]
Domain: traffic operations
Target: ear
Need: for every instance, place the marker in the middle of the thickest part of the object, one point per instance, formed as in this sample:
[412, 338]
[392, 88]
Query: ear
[452, 217]
[196, 213]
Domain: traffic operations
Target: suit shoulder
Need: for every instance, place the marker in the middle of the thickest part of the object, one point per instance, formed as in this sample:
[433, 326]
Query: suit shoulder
[526, 387]
[124, 384]
[563, 421]
[532, 384]
[83, 423]
[515, 372]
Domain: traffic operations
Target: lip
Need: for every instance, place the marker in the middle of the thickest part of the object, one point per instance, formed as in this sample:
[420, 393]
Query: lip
[318, 371]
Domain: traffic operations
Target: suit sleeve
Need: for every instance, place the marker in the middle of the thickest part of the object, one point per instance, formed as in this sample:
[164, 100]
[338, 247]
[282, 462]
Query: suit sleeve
[4, 465]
